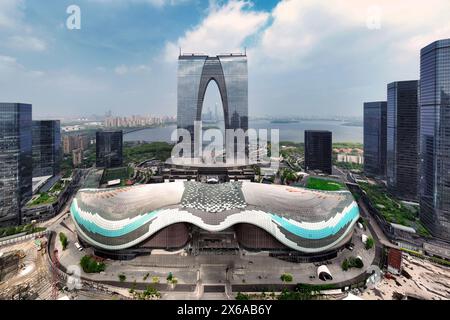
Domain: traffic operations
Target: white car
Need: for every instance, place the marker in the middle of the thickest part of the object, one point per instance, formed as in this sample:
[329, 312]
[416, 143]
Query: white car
[77, 245]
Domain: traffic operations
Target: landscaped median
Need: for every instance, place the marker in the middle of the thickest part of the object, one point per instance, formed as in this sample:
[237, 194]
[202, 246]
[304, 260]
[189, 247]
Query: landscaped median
[27, 229]
[301, 292]
[422, 256]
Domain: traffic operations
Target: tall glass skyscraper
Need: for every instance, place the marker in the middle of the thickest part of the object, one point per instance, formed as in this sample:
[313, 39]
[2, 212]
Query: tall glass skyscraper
[230, 73]
[402, 158]
[318, 150]
[435, 138]
[109, 149]
[375, 130]
[15, 160]
[46, 148]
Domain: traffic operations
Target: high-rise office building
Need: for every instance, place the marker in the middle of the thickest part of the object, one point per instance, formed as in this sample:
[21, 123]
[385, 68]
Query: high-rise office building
[402, 155]
[230, 73]
[375, 131]
[46, 148]
[109, 149]
[15, 160]
[318, 150]
[435, 138]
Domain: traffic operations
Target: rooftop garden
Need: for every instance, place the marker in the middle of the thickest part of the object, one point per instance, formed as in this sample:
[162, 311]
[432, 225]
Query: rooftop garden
[42, 198]
[122, 173]
[48, 197]
[324, 184]
[394, 211]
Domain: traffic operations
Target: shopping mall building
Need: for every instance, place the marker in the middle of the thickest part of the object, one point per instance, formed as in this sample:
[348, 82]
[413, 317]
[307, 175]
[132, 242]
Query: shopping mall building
[201, 217]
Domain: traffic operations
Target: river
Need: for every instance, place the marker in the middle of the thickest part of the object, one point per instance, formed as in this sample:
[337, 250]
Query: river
[293, 131]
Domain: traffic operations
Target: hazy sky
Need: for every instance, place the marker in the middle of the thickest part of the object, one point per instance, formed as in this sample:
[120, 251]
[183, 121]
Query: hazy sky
[306, 57]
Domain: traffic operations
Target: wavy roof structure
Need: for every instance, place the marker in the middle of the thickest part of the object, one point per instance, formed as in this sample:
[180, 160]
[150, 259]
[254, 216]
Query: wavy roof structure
[304, 220]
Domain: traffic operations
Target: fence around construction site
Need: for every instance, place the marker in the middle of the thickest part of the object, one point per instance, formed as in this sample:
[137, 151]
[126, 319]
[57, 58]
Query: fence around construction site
[6, 241]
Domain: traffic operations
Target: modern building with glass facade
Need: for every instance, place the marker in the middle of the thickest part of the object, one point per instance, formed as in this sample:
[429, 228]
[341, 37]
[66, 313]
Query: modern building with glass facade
[109, 149]
[46, 148]
[402, 157]
[318, 150]
[375, 132]
[15, 161]
[195, 72]
[262, 217]
[435, 138]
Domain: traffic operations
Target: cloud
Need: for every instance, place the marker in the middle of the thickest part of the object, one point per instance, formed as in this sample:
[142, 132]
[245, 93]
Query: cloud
[124, 70]
[224, 30]
[26, 43]
[305, 56]
[10, 67]
[10, 13]
[15, 33]
[154, 3]
[308, 45]
[299, 28]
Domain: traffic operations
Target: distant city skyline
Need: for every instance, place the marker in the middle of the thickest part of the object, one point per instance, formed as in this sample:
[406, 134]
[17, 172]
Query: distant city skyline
[126, 52]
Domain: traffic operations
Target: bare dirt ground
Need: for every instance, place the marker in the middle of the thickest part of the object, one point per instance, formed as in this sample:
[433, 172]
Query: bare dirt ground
[427, 281]
[33, 280]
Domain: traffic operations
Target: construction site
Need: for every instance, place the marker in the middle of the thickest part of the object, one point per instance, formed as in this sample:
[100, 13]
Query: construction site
[26, 273]
[417, 279]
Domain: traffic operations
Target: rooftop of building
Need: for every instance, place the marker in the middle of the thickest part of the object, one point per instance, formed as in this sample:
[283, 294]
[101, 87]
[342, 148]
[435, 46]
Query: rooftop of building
[289, 202]
[206, 56]
[439, 44]
[302, 219]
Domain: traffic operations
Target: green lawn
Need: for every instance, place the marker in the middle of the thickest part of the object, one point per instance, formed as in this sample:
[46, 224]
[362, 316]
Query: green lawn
[323, 184]
[115, 173]
[122, 173]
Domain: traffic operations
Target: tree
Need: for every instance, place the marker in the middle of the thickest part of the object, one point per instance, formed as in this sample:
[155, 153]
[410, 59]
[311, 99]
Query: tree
[242, 296]
[286, 277]
[147, 294]
[122, 277]
[89, 265]
[369, 243]
[303, 294]
[63, 240]
[170, 277]
[155, 280]
[352, 262]
[345, 265]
